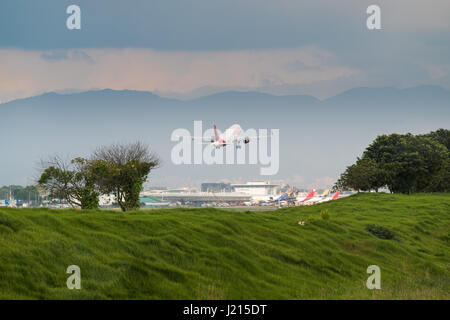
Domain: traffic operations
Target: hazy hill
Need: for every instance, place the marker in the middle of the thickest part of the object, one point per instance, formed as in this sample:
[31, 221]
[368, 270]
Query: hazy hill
[415, 94]
[252, 96]
[318, 138]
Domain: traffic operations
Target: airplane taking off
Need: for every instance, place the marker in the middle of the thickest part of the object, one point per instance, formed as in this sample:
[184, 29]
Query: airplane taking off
[231, 136]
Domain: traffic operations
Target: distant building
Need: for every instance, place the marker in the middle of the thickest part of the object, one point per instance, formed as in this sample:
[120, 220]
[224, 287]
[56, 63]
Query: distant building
[107, 200]
[198, 198]
[155, 188]
[217, 193]
[165, 190]
[216, 187]
[258, 189]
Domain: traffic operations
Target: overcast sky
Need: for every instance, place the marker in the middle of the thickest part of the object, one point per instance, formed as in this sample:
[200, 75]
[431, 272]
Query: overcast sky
[189, 48]
[178, 46]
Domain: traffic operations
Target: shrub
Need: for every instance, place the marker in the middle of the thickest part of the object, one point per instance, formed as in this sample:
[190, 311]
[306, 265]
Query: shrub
[312, 219]
[380, 232]
[325, 214]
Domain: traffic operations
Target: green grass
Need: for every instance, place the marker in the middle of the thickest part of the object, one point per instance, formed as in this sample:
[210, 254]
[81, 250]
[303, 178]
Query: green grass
[218, 254]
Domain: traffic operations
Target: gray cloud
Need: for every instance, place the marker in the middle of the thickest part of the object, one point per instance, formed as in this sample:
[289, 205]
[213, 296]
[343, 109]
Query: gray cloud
[54, 55]
[214, 25]
[25, 72]
[74, 55]
[412, 47]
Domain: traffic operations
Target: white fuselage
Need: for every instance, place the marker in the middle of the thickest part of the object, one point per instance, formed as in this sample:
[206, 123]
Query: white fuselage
[230, 136]
[318, 199]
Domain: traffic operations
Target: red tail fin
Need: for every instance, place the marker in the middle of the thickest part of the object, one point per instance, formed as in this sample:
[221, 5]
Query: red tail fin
[309, 196]
[216, 134]
[335, 196]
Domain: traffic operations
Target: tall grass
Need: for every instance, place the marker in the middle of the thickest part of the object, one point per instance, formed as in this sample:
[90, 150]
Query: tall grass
[216, 254]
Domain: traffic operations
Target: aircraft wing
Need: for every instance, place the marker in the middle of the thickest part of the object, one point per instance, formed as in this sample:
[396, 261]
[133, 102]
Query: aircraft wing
[202, 139]
[247, 139]
[258, 137]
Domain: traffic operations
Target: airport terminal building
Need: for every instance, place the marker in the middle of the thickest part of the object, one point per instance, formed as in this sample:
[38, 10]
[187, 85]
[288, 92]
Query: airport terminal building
[221, 193]
[258, 188]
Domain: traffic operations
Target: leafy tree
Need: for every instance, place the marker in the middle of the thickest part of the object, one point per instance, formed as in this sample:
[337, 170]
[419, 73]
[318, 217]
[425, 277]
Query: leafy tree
[363, 175]
[341, 183]
[408, 162]
[126, 169]
[441, 180]
[19, 192]
[74, 181]
[442, 136]
[404, 163]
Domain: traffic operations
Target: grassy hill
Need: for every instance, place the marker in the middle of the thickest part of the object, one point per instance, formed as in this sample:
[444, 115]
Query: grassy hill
[218, 254]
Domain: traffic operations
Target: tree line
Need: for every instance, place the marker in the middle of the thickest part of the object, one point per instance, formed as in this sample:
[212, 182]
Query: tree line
[28, 193]
[403, 163]
[119, 169]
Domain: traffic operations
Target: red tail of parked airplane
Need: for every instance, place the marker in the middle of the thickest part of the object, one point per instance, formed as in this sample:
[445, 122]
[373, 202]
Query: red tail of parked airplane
[309, 195]
[335, 196]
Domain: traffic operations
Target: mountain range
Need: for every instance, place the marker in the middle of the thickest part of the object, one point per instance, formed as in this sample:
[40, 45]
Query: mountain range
[318, 138]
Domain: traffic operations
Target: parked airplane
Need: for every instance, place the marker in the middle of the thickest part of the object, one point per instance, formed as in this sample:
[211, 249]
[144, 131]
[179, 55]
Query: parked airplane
[319, 198]
[308, 197]
[287, 196]
[325, 193]
[324, 199]
[231, 136]
[335, 196]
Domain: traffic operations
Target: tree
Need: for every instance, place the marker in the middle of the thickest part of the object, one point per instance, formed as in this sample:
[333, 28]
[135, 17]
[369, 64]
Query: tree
[441, 180]
[442, 136]
[409, 162]
[375, 175]
[127, 168]
[363, 175]
[19, 192]
[74, 181]
[341, 183]
[404, 163]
